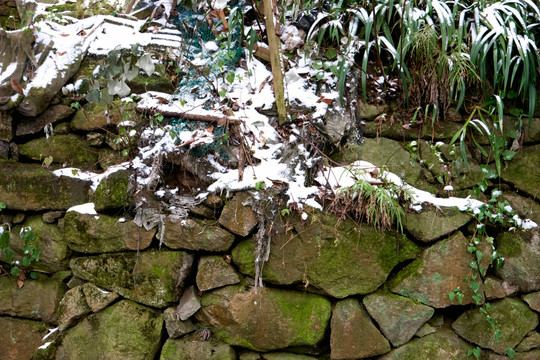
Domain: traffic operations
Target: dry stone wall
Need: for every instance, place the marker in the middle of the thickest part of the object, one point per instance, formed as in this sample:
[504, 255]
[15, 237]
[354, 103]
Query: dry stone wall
[184, 289]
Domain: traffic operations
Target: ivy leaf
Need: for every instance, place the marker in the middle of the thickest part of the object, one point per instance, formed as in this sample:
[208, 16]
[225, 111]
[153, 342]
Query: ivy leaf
[476, 352]
[510, 352]
[4, 240]
[146, 64]
[93, 96]
[15, 271]
[497, 335]
[508, 155]
[2, 206]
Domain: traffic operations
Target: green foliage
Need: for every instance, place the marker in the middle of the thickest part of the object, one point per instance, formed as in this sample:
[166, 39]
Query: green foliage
[456, 46]
[489, 123]
[30, 250]
[380, 204]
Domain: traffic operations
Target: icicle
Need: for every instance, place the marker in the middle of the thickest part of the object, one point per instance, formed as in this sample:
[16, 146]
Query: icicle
[49, 131]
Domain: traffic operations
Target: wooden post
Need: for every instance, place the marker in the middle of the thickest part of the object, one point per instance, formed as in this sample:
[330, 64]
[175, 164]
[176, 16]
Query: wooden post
[276, 62]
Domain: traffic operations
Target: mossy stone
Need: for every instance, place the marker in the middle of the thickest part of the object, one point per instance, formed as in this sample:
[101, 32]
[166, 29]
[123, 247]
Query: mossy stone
[54, 252]
[441, 345]
[64, 149]
[432, 223]
[340, 258]
[265, 319]
[37, 299]
[152, 278]
[192, 347]
[112, 192]
[125, 330]
[101, 233]
[440, 269]
[20, 338]
[523, 171]
[398, 317]
[97, 116]
[353, 334]
[521, 251]
[30, 187]
[512, 316]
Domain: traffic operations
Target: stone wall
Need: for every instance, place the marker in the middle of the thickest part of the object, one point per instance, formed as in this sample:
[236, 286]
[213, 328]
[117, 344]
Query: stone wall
[334, 289]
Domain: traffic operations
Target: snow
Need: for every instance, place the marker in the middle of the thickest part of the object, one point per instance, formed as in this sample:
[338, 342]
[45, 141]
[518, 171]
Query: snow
[51, 331]
[88, 208]
[95, 178]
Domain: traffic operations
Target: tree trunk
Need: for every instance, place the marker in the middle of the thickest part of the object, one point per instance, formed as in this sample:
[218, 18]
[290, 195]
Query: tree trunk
[276, 62]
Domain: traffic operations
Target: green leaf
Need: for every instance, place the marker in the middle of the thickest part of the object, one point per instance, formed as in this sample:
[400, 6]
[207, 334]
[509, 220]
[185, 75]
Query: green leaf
[146, 64]
[476, 352]
[9, 254]
[26, 261]
[15, 271]
[497, 335]
[508, 155]
[2, 206]
[29, 236]
[474, 285]
[479, 255]
[230, 77]
[510, 352]
[4, 240]
[93, 96]
[451, 296]
[331, 54]
[285, 212]
[317, 65]
[33, 275]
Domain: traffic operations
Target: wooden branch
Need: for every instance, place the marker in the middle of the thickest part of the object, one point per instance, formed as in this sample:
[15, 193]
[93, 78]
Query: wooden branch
[276, 62]
[197, 117]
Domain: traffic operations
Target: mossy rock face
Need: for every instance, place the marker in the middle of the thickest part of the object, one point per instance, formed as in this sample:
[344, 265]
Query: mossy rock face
[153, 278]
[32, 188]
[72, 307]
[395, 131]
[353, 334]
[97, 298]
[340, 259]
[195, 234]
[52, 115]
[441, 345]
[512, 316]
[192, 347]
[100, 233]
[64, 149]
[125, 330]
[54, 252]
[523, 171]
[112, 192]
[37, 299]
[20, 338]
[398, 317]
[521, 252]
[214, 272]
[533, 299]
[143, 83]
[440, 269]
[266, 319]
[175, 326]
[93, 116]
[237, 216]
[387, 152]
[433, 223]
[9, 16]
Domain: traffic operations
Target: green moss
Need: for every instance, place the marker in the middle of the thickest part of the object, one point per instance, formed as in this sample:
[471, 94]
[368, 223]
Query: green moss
[508, 246]
[297, 308]
[112, 192]
[409, 270]
[64, 149]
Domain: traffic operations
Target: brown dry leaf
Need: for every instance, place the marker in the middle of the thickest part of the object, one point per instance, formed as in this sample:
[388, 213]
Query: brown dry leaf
[264, 82]
[222, 121]
[228, 112]
[210, 129]
[64, 35]
[312, 130]
[81, 33]
[162, 100]
[16, 87]
[20, 279]
[406, 126]
[60, 53]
